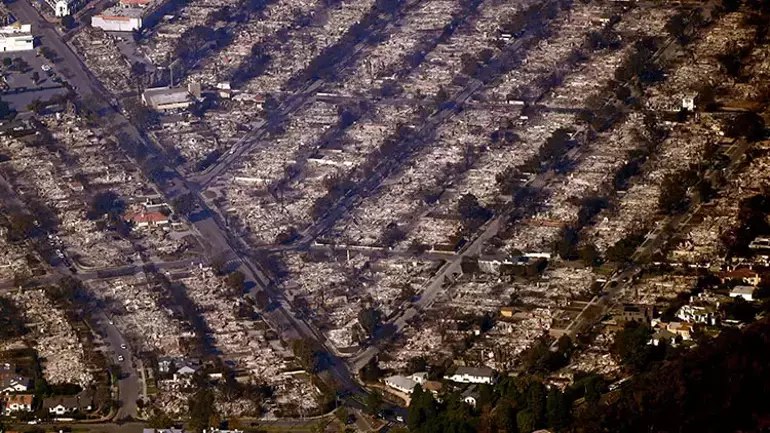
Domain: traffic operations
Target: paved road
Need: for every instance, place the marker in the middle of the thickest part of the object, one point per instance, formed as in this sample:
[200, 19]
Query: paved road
[69, 66]
[431, 103]
[129, 387]
[104, 273]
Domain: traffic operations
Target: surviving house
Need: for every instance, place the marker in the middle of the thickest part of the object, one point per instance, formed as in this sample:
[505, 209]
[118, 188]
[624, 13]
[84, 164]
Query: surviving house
[471, 396]
[745, 292]
[472, 375]
[745, 275]
[697, 314]
[637, 313]
[171, 98]
[68, 405]
[406, 384]
[17, 403]
[148, 219]
[12, 384]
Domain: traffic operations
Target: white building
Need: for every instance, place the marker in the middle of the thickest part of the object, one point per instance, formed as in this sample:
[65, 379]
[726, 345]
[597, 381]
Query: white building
[119, 19]
[472, 375]
[696, 314]
[62, 8]
[745, 292]
[171, 98]
[406, 384]
[471, 396]
[16, 37]
[12, 384]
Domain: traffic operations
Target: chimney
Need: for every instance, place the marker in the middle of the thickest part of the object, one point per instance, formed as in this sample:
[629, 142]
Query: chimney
[194, 89]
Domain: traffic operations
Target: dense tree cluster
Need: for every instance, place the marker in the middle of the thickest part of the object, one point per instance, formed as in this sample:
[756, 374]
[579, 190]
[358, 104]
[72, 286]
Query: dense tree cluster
[307, 355]
[370, 319]
[11, 320]
[718, 386]
[472, 213]
[752, 223]
[623, 250]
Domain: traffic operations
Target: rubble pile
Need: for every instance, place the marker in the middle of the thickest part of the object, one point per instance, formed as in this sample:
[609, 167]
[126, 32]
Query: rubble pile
[103, 57]
[306, 43]
[55, 340]
[386, 60]
[139, 313]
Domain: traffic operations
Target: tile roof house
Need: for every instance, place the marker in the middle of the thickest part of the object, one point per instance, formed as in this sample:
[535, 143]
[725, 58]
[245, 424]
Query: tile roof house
[148, 219]
[741, 274]
[17, 403]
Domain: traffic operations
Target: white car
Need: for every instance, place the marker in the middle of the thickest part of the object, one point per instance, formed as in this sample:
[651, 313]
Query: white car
[121, 358]
[45, 68]
[123, 346]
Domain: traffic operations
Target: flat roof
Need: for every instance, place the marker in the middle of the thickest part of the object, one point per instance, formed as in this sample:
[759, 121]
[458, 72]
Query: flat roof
[743, 290]
[166, 95]
[119, 12]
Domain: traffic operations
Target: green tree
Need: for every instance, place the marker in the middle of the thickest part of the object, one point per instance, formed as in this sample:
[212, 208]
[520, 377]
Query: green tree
[630, 346]
[525, 421]
[160, 420]
[422, 409]
[36, 106]
[68, 21]
[374, 401]
[472, 213]
[558, 410]
[505, 416]
[6, 112]
[370, 319]
[235, 281]
[48, 53]
[320, 426]
[342, 414]
[589, 255]
[306, 355]
[262, 300]
[673, 195]
[624, 249]
[370, 372]
[417, 364]
[566, 244]
[201, 409]
[706, 191]
[536, 402]
[748, 125]
[593, 390]
[184, 204]
[219, 265]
